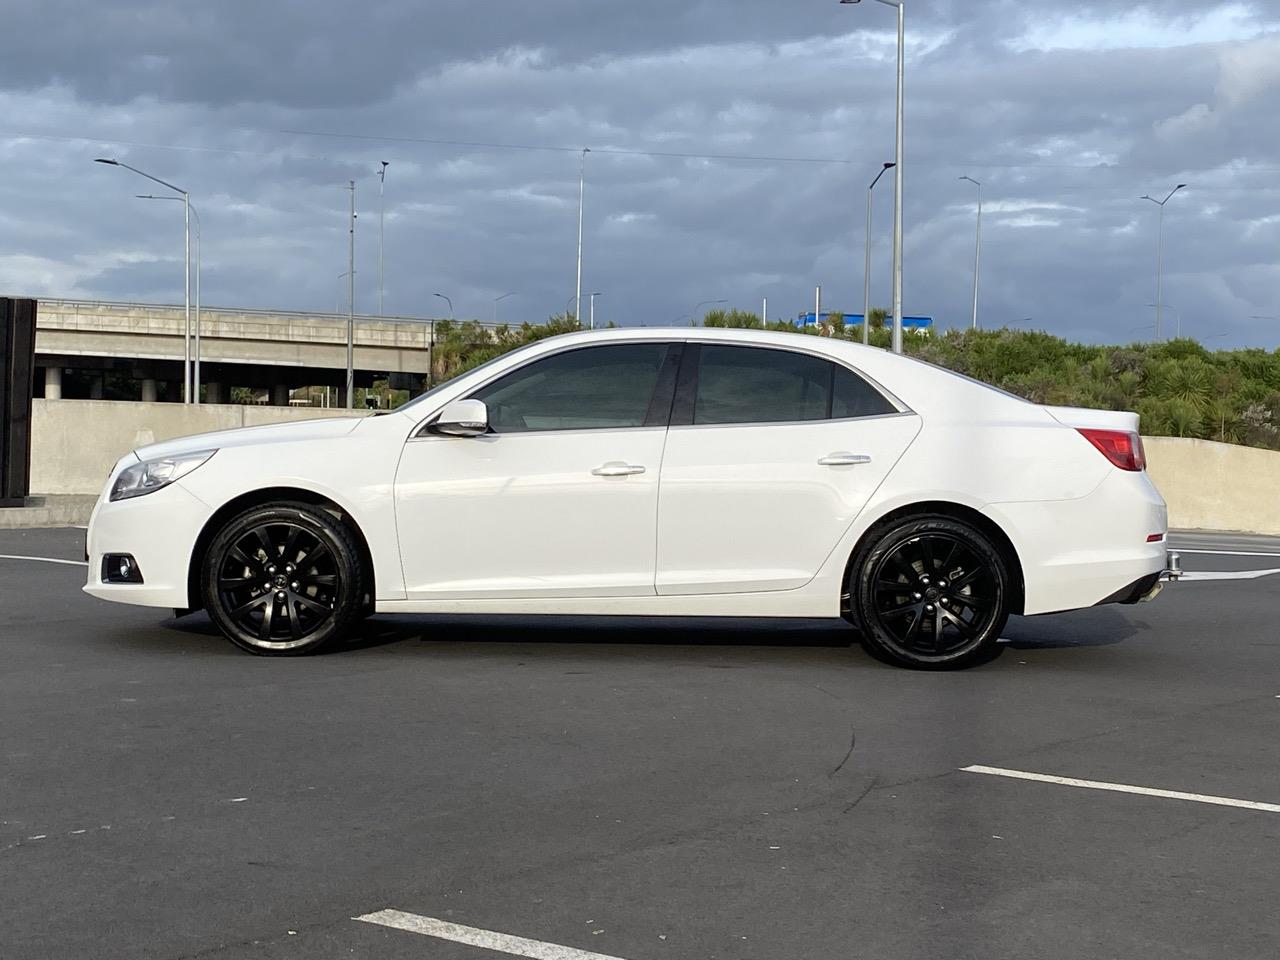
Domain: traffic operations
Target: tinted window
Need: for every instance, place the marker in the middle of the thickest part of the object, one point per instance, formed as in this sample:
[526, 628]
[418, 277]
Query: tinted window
[593, 388]
[752, 385]
[854, 397]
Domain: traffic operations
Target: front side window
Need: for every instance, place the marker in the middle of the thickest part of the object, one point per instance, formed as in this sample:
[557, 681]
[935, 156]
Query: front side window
[594, 388]
[755, 385]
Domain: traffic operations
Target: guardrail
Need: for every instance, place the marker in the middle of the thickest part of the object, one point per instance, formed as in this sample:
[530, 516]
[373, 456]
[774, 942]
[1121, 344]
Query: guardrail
[53, 304]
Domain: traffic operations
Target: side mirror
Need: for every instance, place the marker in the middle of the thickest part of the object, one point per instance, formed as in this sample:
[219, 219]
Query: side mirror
[462, 418]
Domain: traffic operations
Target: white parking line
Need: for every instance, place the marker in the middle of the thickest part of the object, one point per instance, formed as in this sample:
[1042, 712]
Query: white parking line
[70, 563]
[1124, 788]
[1226, 574]
[1224, 553]
[475, 937]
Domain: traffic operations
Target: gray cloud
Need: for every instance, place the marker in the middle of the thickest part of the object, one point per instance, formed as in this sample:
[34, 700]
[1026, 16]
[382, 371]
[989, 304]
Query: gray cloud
[1066, 117]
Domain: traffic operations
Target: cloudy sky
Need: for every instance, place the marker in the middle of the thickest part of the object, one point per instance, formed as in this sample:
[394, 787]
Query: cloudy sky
[732, 144]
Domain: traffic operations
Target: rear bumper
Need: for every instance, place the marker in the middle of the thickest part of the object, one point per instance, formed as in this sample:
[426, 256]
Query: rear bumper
[1146, 589]
[1094, 550]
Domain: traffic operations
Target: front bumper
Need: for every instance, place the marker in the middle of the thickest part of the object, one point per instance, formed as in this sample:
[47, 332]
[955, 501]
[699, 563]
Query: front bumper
[159, 530]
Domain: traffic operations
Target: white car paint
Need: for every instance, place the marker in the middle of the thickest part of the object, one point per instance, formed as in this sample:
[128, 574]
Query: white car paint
[737, 520]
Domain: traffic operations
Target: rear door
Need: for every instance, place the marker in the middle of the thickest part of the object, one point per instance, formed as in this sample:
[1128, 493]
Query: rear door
[771, 455]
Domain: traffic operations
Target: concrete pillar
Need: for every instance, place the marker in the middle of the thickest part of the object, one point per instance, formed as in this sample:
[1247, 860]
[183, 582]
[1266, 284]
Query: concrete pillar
[95, 387]
[53, 383]
[213, 392]
[149, 390]
[280, 396]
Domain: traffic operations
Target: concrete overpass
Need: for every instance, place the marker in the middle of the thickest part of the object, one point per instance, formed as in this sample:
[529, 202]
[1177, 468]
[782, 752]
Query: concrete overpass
[138, 348]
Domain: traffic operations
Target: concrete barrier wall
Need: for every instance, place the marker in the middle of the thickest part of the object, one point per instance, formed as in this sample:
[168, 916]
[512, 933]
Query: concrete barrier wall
[1209, 486]
[1216, 486]
[74, 443]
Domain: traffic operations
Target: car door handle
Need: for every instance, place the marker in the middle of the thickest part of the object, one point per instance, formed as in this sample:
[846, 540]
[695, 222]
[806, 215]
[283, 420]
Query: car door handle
[844, 459]
[616, 468]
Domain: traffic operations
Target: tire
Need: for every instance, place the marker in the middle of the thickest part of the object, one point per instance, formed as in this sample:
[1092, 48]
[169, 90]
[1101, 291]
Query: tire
[284, 579]
[930, 593]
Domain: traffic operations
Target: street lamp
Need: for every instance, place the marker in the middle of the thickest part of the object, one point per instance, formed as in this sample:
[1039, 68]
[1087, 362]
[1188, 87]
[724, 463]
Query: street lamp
[592, 325]
[977, 254]
[1177, 315]
[1160, 256]
[866, 274]
[195, 379]
[446, 300]
[382, 217]
[582, 192]
[351, 300]
[897, 184]
[705, 303]
[498, 300]
[186, 204]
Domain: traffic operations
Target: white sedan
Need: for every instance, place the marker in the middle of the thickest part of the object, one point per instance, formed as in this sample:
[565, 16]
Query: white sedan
[694, 473]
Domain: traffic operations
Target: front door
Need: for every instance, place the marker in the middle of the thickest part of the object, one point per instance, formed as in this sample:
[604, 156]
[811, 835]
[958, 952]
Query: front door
[560, 498]
[771, 455]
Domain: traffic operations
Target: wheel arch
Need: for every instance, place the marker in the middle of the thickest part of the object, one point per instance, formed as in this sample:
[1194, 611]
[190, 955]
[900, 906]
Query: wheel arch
[257, 498]
[956, 511]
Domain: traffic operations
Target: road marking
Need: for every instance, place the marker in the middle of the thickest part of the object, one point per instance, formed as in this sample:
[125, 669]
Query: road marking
[475, 937]
[70, 563]
[1224, 553]
[1226, 574]
[1124, 788]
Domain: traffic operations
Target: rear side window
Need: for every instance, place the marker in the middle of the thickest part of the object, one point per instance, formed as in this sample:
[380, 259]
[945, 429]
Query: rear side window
[854, 397]
[755, 385]
[593, 388]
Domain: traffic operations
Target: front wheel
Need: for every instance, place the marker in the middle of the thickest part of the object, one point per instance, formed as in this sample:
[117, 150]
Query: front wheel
[284, 579]
[931, 593]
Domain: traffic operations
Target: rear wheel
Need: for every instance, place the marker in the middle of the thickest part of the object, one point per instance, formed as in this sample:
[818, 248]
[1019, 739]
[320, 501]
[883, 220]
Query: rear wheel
[930, 593]
[284, 579]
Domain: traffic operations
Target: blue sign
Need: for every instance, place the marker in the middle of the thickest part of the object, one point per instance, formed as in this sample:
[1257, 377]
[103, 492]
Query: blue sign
[855, 319]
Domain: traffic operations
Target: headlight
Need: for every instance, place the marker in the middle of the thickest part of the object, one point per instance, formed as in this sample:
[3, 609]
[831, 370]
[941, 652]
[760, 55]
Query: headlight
[152, 475]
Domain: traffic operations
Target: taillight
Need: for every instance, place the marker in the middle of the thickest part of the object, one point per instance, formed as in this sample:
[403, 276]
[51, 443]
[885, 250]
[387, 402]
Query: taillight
[1123, 449]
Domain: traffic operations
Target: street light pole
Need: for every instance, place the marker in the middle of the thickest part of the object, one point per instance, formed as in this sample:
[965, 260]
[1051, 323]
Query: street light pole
[866, 272]
[446, 300]
[704, 303]
[1160, 256]
[897, 179]
[977, 251]
[382, 219]
[582, 192]
[351, 300]
[496, 301]
[1177, 315]
[195, 392]
[186, 206]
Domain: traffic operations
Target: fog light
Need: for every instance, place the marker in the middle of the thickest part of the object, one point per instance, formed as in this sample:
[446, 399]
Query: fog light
[120, 568]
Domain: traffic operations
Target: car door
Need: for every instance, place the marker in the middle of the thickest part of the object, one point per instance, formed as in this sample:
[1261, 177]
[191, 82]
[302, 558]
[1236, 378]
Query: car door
[771, 455]
[560, 497]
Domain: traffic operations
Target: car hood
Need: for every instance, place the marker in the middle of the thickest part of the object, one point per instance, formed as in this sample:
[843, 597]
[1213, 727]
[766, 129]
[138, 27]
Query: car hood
[299, 430]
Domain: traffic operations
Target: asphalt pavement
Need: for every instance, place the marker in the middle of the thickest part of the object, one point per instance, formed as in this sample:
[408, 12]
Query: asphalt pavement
[638, 790]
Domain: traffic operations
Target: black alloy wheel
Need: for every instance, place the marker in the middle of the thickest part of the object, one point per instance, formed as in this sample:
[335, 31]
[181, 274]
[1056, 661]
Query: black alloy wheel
[931, 593]
[284, 579]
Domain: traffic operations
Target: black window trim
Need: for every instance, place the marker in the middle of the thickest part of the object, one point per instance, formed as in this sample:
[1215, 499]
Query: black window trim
[686, 353]
[682, 413]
